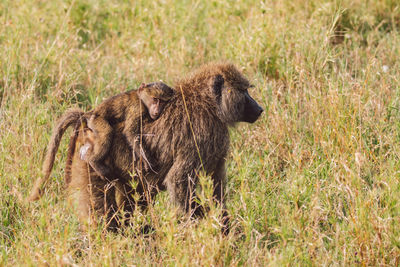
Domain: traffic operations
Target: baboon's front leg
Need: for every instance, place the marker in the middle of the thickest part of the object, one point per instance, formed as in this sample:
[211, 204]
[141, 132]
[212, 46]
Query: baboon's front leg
[219, 180]
[181, 181]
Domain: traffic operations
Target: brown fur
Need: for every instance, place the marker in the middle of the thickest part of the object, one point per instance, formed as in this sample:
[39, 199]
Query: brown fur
[125, 111]
[190, 136]
[91, 196]
[195, 131]
[131, 108]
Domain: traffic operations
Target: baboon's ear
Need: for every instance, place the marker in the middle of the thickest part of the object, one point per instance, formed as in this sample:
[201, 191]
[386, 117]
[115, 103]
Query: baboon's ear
[143, 85]
[217, 84]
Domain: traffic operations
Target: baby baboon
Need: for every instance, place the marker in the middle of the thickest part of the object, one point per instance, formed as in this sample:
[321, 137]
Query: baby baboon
[127, 109]
[190, 136]
[132, 107]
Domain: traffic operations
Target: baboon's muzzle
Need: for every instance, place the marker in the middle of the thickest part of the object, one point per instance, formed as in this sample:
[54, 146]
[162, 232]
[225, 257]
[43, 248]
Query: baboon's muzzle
[252, 110]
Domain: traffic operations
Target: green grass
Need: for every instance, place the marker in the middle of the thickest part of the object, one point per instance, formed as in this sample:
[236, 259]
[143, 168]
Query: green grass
[314, 182]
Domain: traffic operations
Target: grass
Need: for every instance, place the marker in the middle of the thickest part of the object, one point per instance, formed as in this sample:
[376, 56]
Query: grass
[315, 181]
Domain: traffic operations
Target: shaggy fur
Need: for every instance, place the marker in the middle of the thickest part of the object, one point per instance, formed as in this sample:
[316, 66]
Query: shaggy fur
[125, 111]
[190, 136]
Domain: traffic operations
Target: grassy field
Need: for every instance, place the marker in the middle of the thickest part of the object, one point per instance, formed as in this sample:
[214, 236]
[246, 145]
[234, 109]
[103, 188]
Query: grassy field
[315, 181]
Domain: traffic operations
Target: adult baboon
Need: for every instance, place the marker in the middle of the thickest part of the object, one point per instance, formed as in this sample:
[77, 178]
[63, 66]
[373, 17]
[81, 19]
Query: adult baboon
[192, 133]
[190, 136]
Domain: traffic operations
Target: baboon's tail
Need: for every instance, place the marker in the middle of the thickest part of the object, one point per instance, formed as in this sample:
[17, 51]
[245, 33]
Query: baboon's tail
[79, 125]
[70, 117]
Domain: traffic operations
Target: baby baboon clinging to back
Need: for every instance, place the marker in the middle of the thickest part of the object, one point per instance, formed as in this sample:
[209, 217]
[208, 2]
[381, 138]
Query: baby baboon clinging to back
[132, 108]
[190, 136]
[126, 110]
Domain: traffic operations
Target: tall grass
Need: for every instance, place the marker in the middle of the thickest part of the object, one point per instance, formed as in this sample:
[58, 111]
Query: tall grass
[314, 182]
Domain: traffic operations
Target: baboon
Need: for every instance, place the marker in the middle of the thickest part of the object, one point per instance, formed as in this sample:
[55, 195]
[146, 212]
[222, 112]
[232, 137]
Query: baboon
[132, 108]
[129, 109]
[194, 134]
[190, 136]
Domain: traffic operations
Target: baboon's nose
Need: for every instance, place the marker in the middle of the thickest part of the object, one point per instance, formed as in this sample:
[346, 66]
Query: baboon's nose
[259, 111]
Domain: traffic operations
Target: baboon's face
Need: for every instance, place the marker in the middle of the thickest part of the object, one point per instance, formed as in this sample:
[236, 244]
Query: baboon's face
[155, 96]
[236, 104]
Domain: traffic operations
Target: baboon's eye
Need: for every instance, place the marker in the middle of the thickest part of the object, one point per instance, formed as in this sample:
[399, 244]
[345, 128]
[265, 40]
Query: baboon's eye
[217, 85]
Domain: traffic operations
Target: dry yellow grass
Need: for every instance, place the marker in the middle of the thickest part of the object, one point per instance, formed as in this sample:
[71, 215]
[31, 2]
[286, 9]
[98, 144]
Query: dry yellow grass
[314, 182]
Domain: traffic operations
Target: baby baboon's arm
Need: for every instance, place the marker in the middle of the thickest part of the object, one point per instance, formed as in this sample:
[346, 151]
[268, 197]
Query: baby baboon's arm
[132, 128]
